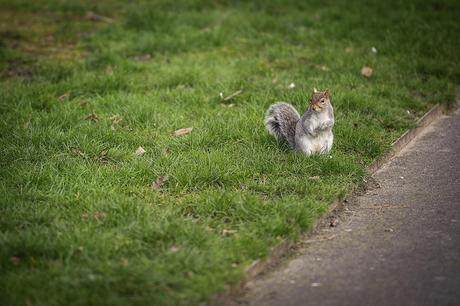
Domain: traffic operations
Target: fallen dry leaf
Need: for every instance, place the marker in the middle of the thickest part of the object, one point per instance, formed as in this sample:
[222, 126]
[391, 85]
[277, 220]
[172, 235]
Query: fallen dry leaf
[183, 131]
[227, 232]
[206, 30]
[93, 216]
[231, 105]
[100, 214]
[314, 178]
[167, 152]
[103, 153]
[159, 182]
[174, 249]
[140, 151]
[116, 119]
[367, 71]
[83, 103]
[92, 117]
[322, 67]
[63, 97]
[102, 156]
[79, 153]
[142, 57]
[348, 49]
[15, 260]
[109, 70]
[182, 86]
[91, 16]
[334, 222]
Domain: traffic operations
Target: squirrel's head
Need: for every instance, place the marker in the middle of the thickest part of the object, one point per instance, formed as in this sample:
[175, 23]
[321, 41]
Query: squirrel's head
[320, 100]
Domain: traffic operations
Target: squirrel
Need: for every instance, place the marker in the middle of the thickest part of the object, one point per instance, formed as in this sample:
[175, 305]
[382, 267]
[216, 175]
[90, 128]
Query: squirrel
[311, 133]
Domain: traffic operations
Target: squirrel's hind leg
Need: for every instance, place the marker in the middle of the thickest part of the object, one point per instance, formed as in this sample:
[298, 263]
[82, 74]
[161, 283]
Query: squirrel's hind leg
[304, 145]
[329, 142]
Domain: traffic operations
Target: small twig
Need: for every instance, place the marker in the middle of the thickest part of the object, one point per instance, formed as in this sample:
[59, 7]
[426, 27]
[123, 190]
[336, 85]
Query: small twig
[318, 240]
[236, 93]
[381, 207]
[351, 218]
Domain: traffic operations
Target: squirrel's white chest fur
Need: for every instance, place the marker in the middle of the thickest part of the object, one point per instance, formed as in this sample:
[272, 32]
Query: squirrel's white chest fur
[320, 143]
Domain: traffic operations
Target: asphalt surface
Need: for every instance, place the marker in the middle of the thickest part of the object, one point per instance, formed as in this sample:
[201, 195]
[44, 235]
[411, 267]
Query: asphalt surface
[396, 244]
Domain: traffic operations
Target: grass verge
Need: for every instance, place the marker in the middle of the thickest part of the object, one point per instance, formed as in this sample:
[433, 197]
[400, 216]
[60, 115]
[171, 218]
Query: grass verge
[80, 223]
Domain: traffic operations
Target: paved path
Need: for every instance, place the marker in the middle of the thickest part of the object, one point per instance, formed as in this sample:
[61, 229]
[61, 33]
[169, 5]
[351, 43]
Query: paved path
[398, 244]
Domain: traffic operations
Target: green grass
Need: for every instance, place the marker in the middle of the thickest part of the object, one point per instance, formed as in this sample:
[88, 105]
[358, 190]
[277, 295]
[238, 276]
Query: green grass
[79, 223]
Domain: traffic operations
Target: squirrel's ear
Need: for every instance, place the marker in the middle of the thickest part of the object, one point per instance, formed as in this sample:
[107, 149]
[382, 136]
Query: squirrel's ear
[327, 93]
[315, 90]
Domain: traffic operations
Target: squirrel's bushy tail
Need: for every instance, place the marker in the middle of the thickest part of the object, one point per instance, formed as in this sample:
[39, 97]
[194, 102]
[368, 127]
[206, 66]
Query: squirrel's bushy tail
[280, 121]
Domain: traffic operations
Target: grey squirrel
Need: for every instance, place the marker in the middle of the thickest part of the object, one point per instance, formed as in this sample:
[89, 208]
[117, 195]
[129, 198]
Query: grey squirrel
[311, 133]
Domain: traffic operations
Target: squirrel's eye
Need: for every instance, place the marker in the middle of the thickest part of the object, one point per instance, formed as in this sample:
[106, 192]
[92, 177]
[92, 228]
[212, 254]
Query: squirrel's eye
[322, 100]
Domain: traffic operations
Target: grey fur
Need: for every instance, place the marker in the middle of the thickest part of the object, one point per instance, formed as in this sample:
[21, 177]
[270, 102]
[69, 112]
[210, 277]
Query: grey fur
[280, 120]
[312, 133]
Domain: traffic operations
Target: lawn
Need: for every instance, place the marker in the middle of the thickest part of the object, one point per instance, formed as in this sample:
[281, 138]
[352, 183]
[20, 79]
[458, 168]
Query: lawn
[84, 220]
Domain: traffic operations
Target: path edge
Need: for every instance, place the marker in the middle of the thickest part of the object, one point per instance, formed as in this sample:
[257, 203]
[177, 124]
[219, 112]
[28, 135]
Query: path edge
[282, 250]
